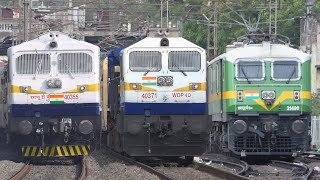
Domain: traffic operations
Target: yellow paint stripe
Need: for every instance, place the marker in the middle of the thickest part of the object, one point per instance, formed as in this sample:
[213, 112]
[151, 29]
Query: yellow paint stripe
[34, 149]
[283, 96]
[261, 103]
[39, 152]
[85, 152]
[59, 151]
[202, 87]
[128, 87]
[52, 151]
[225, 95]
[46, 151]
[27, 151]
[305, 95]
[89, 147]
[89, 88]
[71, 150]
[22, 149]
[65, 151]
[78, 150]
[17, 89]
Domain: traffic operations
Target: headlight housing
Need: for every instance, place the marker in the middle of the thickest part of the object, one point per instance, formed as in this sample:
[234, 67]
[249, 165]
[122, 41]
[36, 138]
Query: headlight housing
[165, 81]
[25, 89]
[268, 95]
[298, 126]
[54, 83]
[239, 126]
[135, 86]
[83, 88]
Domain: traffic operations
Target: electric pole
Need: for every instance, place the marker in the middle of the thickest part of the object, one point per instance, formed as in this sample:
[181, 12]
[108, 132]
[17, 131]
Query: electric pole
[309, 22]
[214, 37]
[25, 20]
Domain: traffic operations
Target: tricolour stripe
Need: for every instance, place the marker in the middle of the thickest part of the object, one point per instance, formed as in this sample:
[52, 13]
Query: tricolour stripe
[56, 102]
[149, 78]
[56, 96]
[149, 84]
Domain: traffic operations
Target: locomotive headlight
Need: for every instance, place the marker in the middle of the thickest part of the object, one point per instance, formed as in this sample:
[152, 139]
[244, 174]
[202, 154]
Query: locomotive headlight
[25, 89]
[298, 126]
[82, 88]
[161, 81]
[50, 83]
[195, 86]
[239, 126]
[296, 95]
[58, 83]
[265, 95]
[239, 95]
[169, 80]
[272, 94]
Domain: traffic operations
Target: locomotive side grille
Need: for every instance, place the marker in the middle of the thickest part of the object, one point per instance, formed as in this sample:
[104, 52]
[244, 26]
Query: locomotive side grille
[33, 63]
[252, 144]
[74, 63]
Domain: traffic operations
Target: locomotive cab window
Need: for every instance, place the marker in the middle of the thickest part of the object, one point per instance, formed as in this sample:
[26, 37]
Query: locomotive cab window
[285, 70]
[33, 64]
[74, 63]
[250, 70]
[184, 61]
[145, 61]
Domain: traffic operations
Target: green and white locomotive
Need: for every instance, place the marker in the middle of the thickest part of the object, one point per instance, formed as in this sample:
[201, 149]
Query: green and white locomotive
[260, 100]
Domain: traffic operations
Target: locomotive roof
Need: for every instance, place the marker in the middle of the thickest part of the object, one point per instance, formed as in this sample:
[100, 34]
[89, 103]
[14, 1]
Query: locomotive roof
[154, 42]
[264, 50]
[64, 42]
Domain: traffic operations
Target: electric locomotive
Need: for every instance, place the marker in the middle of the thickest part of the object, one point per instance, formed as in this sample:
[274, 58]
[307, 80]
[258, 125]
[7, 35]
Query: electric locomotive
[259, 98]
[159, 105]
[52, 96]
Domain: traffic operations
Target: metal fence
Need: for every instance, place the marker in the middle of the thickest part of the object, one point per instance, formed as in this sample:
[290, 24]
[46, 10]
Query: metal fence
[315, 131]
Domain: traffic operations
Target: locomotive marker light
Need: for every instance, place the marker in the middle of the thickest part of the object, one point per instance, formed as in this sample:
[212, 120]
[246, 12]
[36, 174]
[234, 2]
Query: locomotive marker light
[135, 86]
[82, 88]
[298, 126]
[239, 126]
[165, 81]
[240, 96]
[58, 83]
[50, 83]
[296, 95]
[268, 96]
[25, 89]
[195, 86]
[54, 83]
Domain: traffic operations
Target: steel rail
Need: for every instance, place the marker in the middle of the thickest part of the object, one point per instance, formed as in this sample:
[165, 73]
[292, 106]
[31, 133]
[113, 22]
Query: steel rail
[151, 170]
[84, 170]
[306, 171]
[218, 172]
[23, 172]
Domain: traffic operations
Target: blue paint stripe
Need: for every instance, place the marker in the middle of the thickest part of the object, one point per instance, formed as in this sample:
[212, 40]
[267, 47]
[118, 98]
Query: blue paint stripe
[52, 110]
[165, 108]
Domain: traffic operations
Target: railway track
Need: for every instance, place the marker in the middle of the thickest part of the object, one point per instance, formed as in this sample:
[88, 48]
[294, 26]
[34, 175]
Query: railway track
[25, 170]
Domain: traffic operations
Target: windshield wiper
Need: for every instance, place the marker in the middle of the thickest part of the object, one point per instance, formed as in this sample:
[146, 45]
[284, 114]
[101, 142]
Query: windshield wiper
[38, 68]
[69, 71]
[146, 72]
[294, 70]
[245, 75]
[184, 73]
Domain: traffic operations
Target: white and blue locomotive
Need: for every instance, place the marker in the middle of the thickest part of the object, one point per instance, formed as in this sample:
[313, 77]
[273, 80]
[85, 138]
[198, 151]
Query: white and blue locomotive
[52, 96]
[157, 98]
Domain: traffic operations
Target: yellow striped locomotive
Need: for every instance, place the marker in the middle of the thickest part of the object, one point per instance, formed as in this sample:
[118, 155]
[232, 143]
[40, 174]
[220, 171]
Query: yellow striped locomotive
[51, 96]
[160, 106]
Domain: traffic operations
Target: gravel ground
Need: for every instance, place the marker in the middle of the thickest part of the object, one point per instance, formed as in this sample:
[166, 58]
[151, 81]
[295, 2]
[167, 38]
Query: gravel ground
[102, 166]
[10, 164]
[267, 172]
[186, 173]
[52, 172]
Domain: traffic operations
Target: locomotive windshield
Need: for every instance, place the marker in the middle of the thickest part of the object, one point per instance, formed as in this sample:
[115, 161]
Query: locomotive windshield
[184, 61]
[285, 70]
[33, 63]
[145, 61]
[250, 70]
